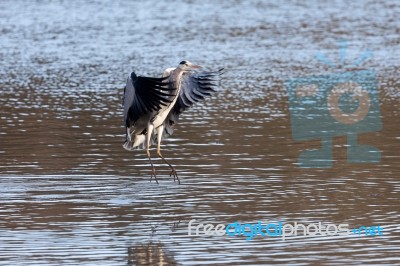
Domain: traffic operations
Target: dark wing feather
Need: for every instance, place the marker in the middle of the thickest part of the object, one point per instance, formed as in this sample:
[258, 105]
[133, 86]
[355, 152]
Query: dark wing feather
[144, 95]
[195, 86]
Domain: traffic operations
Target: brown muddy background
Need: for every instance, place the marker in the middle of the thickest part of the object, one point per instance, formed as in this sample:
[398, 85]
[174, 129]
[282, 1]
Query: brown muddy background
[70, 194]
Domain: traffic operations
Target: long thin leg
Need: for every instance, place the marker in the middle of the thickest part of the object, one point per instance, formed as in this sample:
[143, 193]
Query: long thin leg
[148, 140]
[160, 131]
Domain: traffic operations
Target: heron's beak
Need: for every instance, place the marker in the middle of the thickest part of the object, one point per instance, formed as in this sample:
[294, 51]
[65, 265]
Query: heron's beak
[195, 66]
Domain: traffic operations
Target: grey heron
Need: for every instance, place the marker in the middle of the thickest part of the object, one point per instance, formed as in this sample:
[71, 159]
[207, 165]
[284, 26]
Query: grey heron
[152, 105]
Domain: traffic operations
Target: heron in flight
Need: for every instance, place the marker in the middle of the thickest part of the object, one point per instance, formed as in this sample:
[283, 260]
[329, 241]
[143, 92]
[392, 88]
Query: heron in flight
[152, 105]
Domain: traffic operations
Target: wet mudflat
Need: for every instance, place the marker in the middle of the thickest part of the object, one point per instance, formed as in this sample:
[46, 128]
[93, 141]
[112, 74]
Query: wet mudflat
[70, 194]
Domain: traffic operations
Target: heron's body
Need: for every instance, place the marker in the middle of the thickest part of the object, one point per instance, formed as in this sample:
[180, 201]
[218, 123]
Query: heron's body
[175, 76]
[152, 105]
[153, 120]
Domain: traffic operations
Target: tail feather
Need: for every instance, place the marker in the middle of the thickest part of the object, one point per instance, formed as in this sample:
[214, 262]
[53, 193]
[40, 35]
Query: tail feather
[128, 145]
[137, 143]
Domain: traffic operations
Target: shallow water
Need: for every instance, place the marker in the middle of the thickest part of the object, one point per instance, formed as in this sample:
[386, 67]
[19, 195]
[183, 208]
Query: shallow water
[70, 194]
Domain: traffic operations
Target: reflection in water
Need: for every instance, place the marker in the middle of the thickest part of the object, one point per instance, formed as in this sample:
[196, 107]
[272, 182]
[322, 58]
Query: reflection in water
[71, 195]
[149, 254]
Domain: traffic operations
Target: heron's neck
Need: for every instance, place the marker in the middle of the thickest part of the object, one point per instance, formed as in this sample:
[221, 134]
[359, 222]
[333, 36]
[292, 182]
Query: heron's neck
[176, 76]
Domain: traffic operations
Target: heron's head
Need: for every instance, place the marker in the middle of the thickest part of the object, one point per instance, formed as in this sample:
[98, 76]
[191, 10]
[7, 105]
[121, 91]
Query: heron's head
[133, 76]
[186, 66]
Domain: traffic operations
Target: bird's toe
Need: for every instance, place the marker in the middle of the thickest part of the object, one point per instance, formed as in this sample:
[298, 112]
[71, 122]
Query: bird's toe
[175, 174]
[153, 173]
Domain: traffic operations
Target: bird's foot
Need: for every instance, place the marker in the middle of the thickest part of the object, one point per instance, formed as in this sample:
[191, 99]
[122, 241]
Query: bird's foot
[153, 173]
[175, 174]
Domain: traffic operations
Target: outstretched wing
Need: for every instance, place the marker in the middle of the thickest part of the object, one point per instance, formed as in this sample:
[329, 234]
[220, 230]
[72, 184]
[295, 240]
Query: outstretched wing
[195, 86]
[144, 95]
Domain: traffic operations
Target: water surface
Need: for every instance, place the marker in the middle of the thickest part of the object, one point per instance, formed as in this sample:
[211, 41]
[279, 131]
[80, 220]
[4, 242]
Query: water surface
[70, 194]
